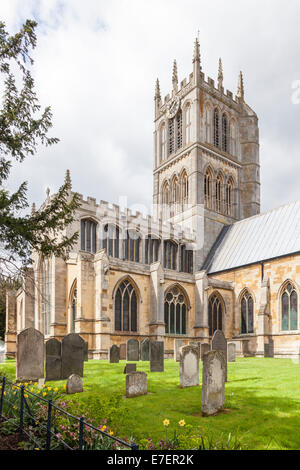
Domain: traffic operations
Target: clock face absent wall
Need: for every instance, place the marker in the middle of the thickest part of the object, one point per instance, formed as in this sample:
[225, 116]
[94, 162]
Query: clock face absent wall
[173, 107]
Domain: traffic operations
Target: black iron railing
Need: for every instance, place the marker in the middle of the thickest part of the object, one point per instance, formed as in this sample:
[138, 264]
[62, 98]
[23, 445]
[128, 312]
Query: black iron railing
[49, 436]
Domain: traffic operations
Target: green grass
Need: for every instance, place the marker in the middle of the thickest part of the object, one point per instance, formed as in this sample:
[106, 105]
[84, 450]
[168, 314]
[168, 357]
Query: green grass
[262, 401]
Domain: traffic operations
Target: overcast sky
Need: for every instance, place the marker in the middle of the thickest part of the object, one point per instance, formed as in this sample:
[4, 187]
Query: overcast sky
[96, 63]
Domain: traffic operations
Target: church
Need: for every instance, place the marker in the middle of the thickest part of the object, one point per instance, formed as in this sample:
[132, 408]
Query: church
[206, 258]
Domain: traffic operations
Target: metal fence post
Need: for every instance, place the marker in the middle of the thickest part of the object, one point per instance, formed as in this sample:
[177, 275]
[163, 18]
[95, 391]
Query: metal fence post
[22, 411]
[80, 445]
[2, 396]
[48, 441]
[134, 447]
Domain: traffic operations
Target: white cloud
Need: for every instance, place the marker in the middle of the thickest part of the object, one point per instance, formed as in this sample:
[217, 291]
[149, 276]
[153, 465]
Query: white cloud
[96, 65]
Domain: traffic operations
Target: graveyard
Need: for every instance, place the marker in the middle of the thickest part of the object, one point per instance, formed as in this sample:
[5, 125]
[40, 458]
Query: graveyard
[262, 398]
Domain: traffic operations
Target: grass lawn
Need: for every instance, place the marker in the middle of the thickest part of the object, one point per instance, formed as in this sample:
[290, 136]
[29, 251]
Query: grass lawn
[262, 401]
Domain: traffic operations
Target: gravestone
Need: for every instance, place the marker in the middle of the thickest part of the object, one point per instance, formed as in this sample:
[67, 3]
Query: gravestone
[123, 352]
[41, 383]
[245, 348]
[198, 345]
[269, 348]
[30, 355]
[145, 351]
[129, 368]
[136, 384]
[231, 351]
[189, 366]
[74, 384]
[178, 343]
[53, 359]
[114, 354]
[2, 351]
[86, 351]
[205, 348]
[72, 355]
[133, 350]
[213, 383]
[156, 356]
[219, 343]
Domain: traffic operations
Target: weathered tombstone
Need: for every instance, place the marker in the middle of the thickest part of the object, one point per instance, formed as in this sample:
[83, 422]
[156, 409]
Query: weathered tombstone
[30, 355]
[245, 348]
[114, 354]
[133, 350]
[86, 351]
[145, 351]
[231, 351]
[219, 343]
[178, 343]
[136, 384]
[213, 383]
[189, 366]
[205, 348]
[198, 345]
[129, 368]
[156, 356]
[74, 384]
[123, 352]
[53, 359]
[72, 354]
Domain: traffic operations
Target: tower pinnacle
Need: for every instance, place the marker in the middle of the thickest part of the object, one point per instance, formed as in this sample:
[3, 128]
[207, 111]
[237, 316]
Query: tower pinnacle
[68, 181]
[220, 75]
[175, 76]
[241, 92]
[197, 57]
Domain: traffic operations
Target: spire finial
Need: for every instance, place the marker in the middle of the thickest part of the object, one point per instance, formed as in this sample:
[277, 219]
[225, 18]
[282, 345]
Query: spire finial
[197, 57]
[48, 193]
[220, 75]
[68, 179]
[157, 90]
[175, 76]
[33, 210]
[241, 92]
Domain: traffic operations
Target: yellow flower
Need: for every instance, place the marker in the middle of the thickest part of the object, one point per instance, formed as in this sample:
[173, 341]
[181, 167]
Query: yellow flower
[4, 393]
[166, 422]
[56, 389]
[25, 395]
[38, 391]
[26, 383]
[111, 433]
[31, 389]
[14, 393]
[36, 448]
[44, 394]
[181, 422]
[36, 422]
[103, 428]
[49, 388]
[64, 386]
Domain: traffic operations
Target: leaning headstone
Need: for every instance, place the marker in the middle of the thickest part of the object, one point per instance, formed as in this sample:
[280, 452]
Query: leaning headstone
[53, 359]
[231, 351]
[129, 368]
[123, 352]
[219, 343]
[136, 384]
[156, 356]
[72, 354]
[213, 383]
[133, 350]
[204, 349]
[178, 343]
[74, 384]
[30, 355]
[114, 354]
[145, 351]
[189, 366]
[86, 351]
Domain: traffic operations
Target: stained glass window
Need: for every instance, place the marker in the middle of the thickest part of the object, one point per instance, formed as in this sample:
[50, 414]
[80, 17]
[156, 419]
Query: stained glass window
[126, 307]
[289, 309]
[175, 312]
[247, 320]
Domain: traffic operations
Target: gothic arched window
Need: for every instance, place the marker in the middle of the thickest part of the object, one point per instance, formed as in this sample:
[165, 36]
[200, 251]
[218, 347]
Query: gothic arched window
[170, 255]
[232, 139]
[151, 249]
[179, 130]
[88, 235]
[126, 307]
[175, 193]
[73, 309]
[224, 133]
[132, 246]
[229, 197]
[184, 188]
[163, 142]
[215, 314]
[216, 128]
[111, 238]
[289, 308]
[171, 136]
[207, 188]
[175, 312]
[188, 124]
[247, 319]
[45, 295]
[219, 184]
[208, 124]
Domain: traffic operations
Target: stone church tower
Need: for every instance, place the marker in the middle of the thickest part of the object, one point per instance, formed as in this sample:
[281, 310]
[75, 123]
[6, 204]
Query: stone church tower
[206, 157]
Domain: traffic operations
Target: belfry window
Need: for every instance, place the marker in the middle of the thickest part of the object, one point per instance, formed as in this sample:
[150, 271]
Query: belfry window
[171, 136]
[88, 236]
[208, 125]
[163, 142]
[179, 129]
[229, 197]
[151, 250]
[289, 308]
[170, 255]
[208, 189]
[219, 193]
[216, 128]
[215, 314]
[188, 124]
[126, 307]
[232, 139]
[184, 188]
[111, 237]
[45, 295]
[175, 312]
[247, 325]
[224, 133]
